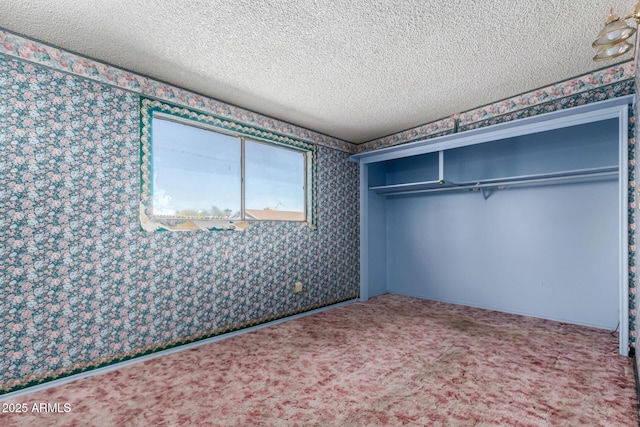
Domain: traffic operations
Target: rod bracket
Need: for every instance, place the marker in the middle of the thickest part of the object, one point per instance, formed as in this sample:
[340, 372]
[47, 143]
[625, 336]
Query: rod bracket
[486, 192]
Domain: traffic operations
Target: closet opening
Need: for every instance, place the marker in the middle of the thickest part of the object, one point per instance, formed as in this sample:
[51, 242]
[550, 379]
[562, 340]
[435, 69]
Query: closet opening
[529, 217]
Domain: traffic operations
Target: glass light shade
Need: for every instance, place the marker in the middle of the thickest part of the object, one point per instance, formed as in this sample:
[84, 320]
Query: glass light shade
[609, 52]
[613, 32]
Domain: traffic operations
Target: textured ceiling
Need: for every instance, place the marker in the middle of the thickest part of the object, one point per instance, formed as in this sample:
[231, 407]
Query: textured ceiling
[353, 69]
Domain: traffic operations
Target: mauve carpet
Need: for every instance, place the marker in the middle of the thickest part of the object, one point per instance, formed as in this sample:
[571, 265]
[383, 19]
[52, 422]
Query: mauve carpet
[391, 361]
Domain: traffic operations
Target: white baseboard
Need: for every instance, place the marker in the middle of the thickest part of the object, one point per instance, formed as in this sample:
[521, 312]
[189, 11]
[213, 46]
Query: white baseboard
[119, 365]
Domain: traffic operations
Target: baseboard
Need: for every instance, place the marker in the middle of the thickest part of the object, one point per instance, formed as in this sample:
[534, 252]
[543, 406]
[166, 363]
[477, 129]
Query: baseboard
[177, 349]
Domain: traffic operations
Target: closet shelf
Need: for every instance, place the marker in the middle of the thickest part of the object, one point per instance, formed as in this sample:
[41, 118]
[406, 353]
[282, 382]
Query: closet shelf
[572, 176]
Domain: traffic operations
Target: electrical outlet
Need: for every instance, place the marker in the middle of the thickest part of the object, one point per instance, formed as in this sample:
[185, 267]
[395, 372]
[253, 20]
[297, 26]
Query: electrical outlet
[297, 287]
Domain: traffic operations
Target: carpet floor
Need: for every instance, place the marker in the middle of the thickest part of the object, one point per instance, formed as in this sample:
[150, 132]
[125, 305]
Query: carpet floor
[390, 361]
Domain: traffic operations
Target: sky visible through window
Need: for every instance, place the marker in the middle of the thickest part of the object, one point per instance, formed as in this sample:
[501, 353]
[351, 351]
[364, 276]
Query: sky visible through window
[196, 172]
[274, 178]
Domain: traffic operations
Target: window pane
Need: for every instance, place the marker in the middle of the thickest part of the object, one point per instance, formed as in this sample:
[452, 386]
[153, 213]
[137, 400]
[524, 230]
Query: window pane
[274, 182]
[196, 172]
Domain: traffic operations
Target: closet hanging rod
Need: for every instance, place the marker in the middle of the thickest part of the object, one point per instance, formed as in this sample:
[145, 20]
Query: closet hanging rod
[583, 175]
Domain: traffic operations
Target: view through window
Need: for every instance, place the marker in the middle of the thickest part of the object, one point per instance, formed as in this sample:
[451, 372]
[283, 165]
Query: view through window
[275, 184]
[200, 173]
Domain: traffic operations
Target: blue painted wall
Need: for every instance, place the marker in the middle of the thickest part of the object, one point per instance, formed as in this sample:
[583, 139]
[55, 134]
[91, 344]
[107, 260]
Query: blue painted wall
[415, 168]
[549, 251]
[578, 147]
[375, 211]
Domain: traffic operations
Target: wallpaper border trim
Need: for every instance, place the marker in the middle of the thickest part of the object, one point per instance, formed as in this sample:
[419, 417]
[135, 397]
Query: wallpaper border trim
[583, 84]
[15, 45]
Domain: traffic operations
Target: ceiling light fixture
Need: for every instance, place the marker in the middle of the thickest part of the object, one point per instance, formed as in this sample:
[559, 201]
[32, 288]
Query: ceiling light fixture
[611, 41]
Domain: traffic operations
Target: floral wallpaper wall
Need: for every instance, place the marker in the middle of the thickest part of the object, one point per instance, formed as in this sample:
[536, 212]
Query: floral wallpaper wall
[81, 286]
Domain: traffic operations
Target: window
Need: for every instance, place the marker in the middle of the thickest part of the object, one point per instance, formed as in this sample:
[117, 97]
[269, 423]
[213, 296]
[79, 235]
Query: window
[202, 172]
[274, 182]
[196, 172]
